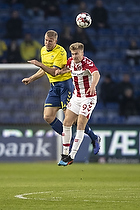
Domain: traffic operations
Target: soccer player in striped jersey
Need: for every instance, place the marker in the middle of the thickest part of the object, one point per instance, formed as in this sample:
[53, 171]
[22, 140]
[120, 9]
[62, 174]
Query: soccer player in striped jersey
[85, 78]
[54, 57]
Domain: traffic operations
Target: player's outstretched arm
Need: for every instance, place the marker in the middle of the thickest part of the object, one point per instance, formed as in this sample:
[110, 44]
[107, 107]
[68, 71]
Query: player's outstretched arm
[26, 81]
[42, 66]
[40, 73]
[62, 71]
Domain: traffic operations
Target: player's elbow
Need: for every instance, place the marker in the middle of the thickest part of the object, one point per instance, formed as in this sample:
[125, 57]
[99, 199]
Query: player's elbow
[99, 75]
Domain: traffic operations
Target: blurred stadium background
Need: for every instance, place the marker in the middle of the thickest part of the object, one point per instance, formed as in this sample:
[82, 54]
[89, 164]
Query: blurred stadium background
[21, 106]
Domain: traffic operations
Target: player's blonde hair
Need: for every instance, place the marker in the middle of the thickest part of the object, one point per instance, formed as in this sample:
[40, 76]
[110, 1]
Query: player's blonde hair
[76, 46]
[52, 34]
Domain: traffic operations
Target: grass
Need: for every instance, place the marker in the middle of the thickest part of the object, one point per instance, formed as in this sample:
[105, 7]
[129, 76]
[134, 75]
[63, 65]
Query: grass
[75, 187]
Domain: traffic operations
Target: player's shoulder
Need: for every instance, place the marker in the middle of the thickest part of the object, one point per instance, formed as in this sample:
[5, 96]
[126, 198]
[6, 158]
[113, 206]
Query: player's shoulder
[60, 48]
[87, 63]
[43, 49]
[69, 60]
[87, 60]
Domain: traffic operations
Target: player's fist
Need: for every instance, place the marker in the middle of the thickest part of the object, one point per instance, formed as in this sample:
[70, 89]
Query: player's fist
[26, 81]
[57, 72]
[35, 62]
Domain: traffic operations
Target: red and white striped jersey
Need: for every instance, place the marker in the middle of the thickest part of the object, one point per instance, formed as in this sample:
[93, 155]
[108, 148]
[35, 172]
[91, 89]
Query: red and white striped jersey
[82, 74]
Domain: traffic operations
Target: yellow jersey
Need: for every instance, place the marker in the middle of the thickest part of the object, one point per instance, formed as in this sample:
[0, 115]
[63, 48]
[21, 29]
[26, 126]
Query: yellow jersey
[55, 58]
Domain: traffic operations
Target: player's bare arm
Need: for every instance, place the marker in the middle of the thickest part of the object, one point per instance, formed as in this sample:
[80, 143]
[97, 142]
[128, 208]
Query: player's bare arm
[96, 77]
[40, 73]
[47, 69]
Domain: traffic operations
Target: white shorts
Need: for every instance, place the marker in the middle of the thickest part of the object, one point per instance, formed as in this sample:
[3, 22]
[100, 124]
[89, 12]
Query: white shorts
[83, 106]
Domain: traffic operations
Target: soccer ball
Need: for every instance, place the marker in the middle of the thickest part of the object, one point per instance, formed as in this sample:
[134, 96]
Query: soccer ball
[83, 20]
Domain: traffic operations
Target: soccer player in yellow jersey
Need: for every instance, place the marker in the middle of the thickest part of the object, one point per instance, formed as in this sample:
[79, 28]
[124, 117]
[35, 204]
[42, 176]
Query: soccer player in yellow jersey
[54, 57]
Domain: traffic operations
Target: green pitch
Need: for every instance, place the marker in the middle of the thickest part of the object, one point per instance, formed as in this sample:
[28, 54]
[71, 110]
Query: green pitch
[39, 186]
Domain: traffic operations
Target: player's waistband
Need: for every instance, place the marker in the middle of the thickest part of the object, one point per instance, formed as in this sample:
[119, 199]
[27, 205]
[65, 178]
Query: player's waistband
[60, 82]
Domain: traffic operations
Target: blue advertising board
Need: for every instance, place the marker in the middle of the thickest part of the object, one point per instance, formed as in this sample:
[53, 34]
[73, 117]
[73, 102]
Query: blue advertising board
[39, 143]
[27, 143]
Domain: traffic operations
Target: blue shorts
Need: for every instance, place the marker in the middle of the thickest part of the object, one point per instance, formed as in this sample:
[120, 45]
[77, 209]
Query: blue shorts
[59, 94]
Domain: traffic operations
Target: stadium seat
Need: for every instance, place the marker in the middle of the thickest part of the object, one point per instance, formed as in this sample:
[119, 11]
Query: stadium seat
[25, 91]
[32, 104]
[129, 30]
[2, 104]
[133, 120]
[21, 117]
[9, 91]
[53, 22]
[112, 106]
[100, 106]
[36, 117]
[18, 6]
[105, 32]
[6, 117]
[113, 6]
[15, 104]
[101, 55]
[97, 117]
[118, 120]
[116, 30]
[4, 78]
[16, 77]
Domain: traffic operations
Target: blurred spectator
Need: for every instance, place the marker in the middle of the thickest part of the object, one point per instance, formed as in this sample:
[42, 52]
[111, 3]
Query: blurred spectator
[123, 85]
[35, 12]
[127, 104]
[29, 48]
[3, 52]
[31, 4]
[66, 37]
[13, 2]
[133, 54]
[14, 26]
[51, 9]
[80, 35]
[82, 7]
[99, 15]
[108, 90]
[77, 2]
[13, 54]
[33, 8]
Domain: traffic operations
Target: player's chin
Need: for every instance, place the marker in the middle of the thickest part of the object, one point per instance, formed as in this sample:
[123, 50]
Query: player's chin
[49, 47]
[76, 60]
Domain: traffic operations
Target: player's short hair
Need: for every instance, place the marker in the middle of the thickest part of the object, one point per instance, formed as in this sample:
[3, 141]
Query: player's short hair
[76, 46]
[52, 34]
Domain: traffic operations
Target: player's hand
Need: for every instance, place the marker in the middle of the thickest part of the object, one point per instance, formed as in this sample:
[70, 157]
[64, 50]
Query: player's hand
[62, 71]
[26, 81]
[57, 72]
[91, 91]
[35, 62]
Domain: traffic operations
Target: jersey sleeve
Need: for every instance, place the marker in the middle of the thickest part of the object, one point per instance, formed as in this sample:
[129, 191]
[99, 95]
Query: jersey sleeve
[69, 62]
[61, 59]
[90, 66]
